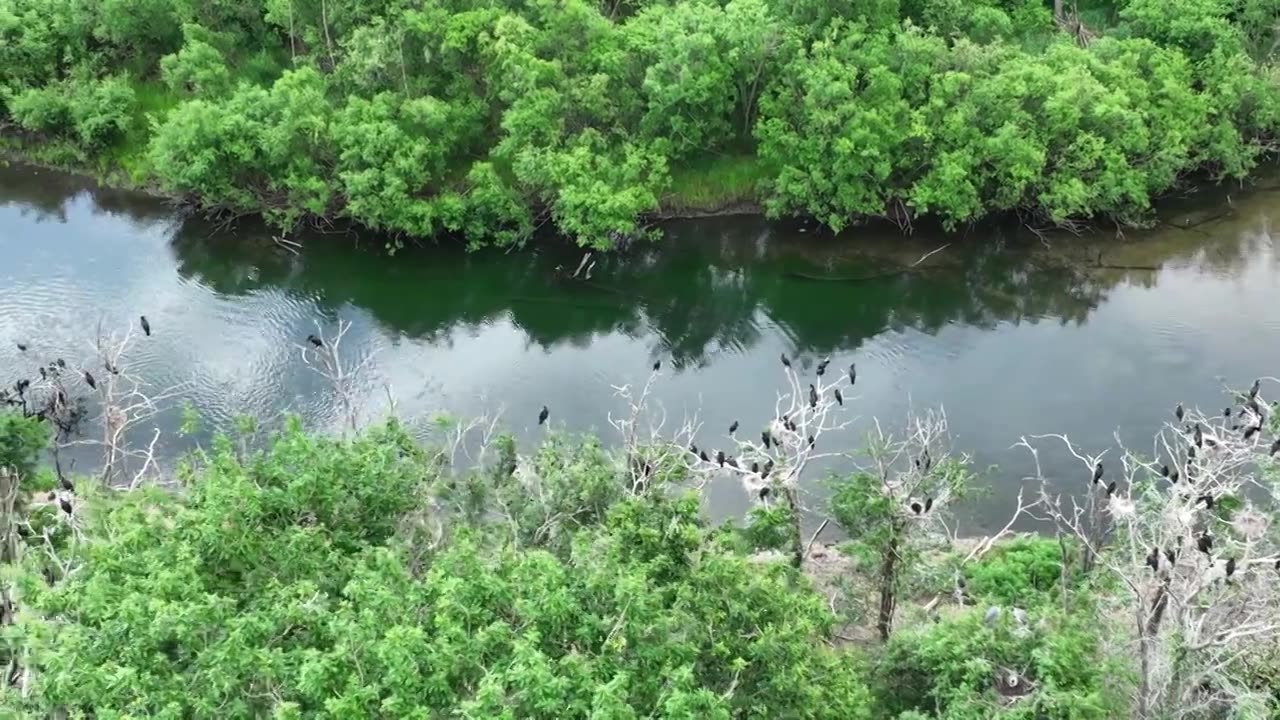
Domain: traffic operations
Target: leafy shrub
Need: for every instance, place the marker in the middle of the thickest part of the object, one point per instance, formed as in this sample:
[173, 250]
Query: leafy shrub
[93, 112]
[1022, 572]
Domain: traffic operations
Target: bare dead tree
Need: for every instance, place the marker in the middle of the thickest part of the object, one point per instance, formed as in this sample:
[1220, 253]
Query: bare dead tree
[126, 402]
[1194, 555]
[323, 355]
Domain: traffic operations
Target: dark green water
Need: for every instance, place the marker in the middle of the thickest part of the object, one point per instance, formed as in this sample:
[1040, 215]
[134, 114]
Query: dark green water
[1011, 337]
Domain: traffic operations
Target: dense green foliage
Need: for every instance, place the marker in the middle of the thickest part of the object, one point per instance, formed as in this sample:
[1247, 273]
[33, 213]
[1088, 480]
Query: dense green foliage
[486, 119]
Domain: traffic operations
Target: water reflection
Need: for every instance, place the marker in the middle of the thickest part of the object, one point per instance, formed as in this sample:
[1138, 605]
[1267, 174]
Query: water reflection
[1011, 335]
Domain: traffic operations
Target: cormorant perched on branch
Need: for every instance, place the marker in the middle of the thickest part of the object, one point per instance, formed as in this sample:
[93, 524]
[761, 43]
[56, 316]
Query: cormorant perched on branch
[1153, 560]
[720, 457]
[733, 428]
[853, 373]
[542, 416]
[1251, 431]
[146, 326]
[65, 504]
[915, 507]
[657, 365]
[764, 492]
[1205, 543]
[822, 366]
[786, 361]
[89, 379]
[1097, 472]
[315, 341]
[1164, 471]
[21, 347]
[1111, 489]
[1253, 391]
[839, 397]
[813, 396]
[1231, 566]
[1178, 412]
[766, 438]
[704, 457]
[928, 504]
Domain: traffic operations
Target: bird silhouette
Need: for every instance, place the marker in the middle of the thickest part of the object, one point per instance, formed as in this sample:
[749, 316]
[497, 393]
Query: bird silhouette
[65, 504]
[66, 484]
[1164, 471]
[765, 438]
[731, 462]
[915, 507]
[1231, 566]
[1251, 431]
[786, 361]
[813, 396]
[88, 378]
[768, 467]
[693, 448]
[21, 347]
[1199, 436]
[764, 492]
[1191, 453]
[1178, 412]
[1097, 472]
[822, 366]
[1153, 560]
[1253, 391]
[925, 460]
[704, 457]
[22, 385]
[764, 471]
[657, 365]
[811, 441]
[1111, 489]
[1173, 476]
[839, 397]
[720, 457]
[1208, 501]
[44, 374]
[853, 373]
[1226, 412]
[542, 416]
[1171, 556]
[315, 341]
[755, 468]
[928, 504]
[61, 363]
[146, 326]
[1205, 543]
[733, 428]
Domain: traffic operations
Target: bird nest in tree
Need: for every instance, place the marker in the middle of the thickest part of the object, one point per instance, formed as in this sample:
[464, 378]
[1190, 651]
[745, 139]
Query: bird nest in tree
[1011, 685]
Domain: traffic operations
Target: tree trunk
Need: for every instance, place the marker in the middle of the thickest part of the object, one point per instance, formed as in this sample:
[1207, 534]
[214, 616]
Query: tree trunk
[797, 542]
[888, 588]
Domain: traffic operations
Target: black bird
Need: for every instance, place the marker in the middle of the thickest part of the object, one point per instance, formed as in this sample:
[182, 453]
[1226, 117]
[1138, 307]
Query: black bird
[61, 363]
[693, 448]
[1205, 543]
[1251, 431]
[1097, 472]
[786, 361]
[1171, 556]
[704, 457]
[65, 504]
[21, 386]
[839, 397]
[755, 468]
[811, 441]
[21, 347]
[765, 438]
[733, 428]
[915, 507]
[1111, 489]
[764, 492]
[44, 374]
[853, 373]
[1199, 437]
[731, 463]
[926, 461]
[1226, 412]
[66, 484]
[542, 416]
[1253, 391]
[89, 379]
[791, 426]
[1275, 446]
[822, 366]
[315, 341]
[720, 457]
[928, 504]
[1164, 471]
[768, 467]
[1208, 501]
[1178, 412]
[813, 396]
[1191, 453]
[1231, 566]
[657, 365]
[1173, 476]
[1153, 560]
[146, 326]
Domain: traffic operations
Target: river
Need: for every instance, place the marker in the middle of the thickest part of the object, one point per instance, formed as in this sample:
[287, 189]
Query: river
[1010, 335]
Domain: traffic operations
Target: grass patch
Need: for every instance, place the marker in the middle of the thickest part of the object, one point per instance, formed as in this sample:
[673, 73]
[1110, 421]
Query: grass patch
[715, 183]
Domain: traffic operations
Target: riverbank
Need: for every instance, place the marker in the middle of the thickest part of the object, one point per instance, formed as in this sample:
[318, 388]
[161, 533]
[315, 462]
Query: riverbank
[491, 130]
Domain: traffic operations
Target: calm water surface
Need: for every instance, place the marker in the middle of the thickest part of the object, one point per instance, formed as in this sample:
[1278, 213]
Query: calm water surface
[1011, 336]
